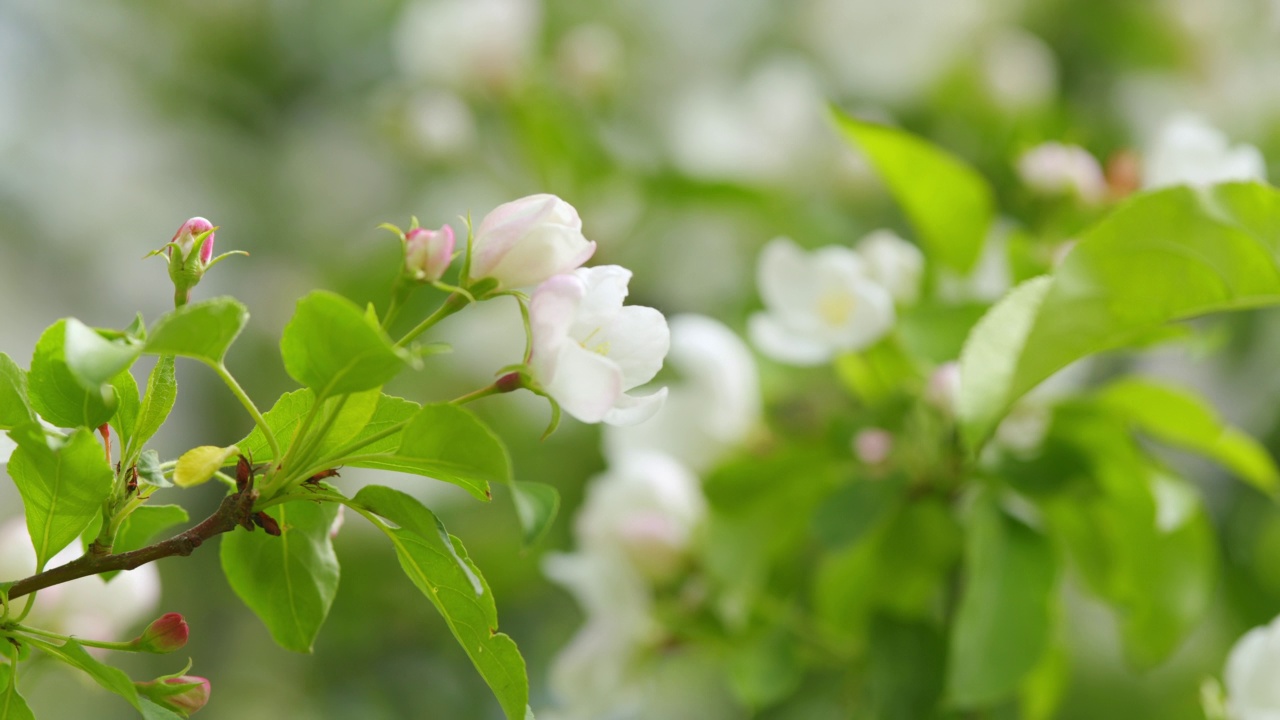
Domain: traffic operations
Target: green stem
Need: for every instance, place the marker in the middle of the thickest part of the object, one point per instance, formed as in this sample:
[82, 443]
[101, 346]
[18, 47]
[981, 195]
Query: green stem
[104, 644]
[486, 391]
[248, 405]
[304, 446]
[452, 304]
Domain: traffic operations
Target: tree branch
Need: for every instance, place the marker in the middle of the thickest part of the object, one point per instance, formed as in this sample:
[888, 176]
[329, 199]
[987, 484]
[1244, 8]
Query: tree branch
[236, 510]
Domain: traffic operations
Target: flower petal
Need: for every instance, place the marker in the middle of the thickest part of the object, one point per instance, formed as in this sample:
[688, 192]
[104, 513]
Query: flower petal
[551, 311]
[785, 278]
[632, 409]
[637, 340]
[780, 343]
[586, 384]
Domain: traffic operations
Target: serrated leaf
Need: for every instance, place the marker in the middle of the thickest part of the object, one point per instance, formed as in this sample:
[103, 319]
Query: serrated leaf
[536, 506]
[126, 416]
[1161, 257]
[197, 465]
[54, 391]
[949, 204]
[1002, 628]
[354, 413]
[62, 490]
[202, 330]
[156, 403]
[331, 347]
[15, 409]
[1183, 419]
[283, 418]
[93, 359]
[438, 565]
[289, 581]
[149, 470]
[447, 443]
[12, 705]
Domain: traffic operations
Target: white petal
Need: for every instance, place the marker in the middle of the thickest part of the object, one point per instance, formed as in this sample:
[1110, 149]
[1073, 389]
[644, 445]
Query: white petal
[638, 340]
[894, 263]
[632, 410]
[606, 288]
[781, 344]
[871, 319]
[504, 226]
[586, 384]
[551, 311]
[543, 251]
[718, 365]
[785, 278]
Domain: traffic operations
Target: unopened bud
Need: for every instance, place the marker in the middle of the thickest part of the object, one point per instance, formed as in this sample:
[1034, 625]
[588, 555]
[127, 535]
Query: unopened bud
[428, 253]
[166, 634]
[189, 234]
[183, 695]
[873, 446]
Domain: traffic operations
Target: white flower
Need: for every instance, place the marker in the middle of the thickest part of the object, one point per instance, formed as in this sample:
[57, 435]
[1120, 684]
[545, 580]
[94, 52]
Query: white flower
[468, 43]
[712, 408]
[1053, 169]
[817, 304]
[647, 507]
[1250, 675]
[589, 350]
[894, 263]
[1190, 151]
[526, 241]
[1019, 70]
[87, 607]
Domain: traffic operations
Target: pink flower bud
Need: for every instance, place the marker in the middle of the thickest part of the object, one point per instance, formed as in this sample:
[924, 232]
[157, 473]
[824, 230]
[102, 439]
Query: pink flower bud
[166, 634]
[427, 253]
[186, 238]
[943, 391]
[184, 695]
[873, 445]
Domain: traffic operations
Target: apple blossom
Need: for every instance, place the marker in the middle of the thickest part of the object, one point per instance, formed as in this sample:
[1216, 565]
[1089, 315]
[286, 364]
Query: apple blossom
[428, 253]
[712, 408]
[873, 446]
[1055, 169]
[523, 242]
[1250, 675]
[185, 694]
[943, 389]
[589, 350]
[894, 263]
[187, 236]
[1190, 151]
[165, 634]
[817, 303]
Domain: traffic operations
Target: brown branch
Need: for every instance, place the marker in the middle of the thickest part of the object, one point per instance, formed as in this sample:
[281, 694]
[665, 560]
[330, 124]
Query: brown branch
[236, 510]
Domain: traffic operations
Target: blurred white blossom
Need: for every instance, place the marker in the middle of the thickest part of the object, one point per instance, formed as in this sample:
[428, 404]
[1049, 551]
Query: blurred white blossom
[1020, 70]
[637, 525]
[469, 44]
[589, 58]
[1055, 169]
[817, 304]
[873, 446]
[589, 350]
[896, 264]
[1189, 151]
[440, 123]
[713, 406]
[87, 607]
[1250, 675]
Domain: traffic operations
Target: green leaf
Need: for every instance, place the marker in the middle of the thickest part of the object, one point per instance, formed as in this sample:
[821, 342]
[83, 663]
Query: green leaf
[333, 348]
[56, 394]
[354, 416]
[1183, 419]
[202, 330]
[62, 490]
[389, 412]
[1002, 628]
[126, 417]
[162, 390]
[149, 470]
[536, 506]
[110, 678]
[447, 443]
[15, 409]
[197, 465]
[438, 565]
[12, 706]
[93, 359]
[949, 204]
[1161, 257]
[288, 581]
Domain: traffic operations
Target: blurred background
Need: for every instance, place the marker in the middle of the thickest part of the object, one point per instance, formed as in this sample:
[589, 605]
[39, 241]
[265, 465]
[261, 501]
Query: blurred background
[686, 132]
